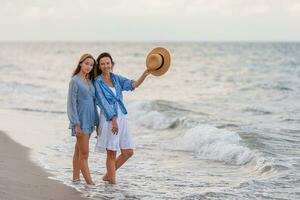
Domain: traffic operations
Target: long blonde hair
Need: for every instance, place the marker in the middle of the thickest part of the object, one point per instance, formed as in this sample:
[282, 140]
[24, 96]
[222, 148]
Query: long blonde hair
[81, 60]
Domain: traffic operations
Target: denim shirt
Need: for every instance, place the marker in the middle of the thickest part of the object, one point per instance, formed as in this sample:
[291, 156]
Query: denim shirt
[105, 97]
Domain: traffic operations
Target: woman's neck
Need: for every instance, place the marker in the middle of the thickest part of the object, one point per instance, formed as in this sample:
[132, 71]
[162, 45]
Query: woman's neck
[105, 76]
[107, 79]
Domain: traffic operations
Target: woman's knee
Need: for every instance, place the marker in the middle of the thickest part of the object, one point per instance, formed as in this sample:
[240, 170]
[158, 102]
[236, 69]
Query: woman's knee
[111, 155]
[128, 153]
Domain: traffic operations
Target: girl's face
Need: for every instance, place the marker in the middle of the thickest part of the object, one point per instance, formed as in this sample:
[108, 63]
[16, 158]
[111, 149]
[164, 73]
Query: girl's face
[87, 65]
[105, 65]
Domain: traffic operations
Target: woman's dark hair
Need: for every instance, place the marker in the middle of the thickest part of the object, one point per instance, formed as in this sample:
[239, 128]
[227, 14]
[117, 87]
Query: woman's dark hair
[97, 70]
[81, 60]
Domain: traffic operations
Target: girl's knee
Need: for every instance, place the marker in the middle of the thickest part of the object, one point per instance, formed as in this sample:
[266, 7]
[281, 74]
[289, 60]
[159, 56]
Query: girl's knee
[84, 154]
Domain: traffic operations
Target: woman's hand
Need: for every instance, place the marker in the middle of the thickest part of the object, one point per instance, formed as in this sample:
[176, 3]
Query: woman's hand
[78, 131]
[114, 128]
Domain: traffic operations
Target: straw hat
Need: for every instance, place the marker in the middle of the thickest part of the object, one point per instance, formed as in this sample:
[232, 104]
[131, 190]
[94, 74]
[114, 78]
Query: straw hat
[158, 61]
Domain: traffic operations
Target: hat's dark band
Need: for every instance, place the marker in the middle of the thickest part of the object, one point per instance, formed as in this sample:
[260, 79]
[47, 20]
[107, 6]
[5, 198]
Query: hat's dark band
[162, 62]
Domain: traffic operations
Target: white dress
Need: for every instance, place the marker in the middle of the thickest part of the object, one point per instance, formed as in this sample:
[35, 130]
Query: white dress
[108, 140]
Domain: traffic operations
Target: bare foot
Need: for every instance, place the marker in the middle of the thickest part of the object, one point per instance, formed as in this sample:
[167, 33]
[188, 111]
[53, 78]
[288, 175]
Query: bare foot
[105, 178]
[76, 180]
[90, 183]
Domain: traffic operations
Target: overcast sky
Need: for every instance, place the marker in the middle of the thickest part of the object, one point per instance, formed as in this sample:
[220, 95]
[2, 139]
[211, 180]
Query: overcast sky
[150, 20]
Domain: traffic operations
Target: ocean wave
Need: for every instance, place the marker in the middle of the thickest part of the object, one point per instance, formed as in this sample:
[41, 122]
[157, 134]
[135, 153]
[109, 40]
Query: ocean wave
[156, 120]
[157, 115]
[280, 86]
[257, 111]
[30, 97]
[211, 143]
[41, 110]
[24, 89]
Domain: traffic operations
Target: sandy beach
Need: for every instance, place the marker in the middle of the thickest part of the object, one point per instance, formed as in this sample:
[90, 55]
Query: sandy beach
[20, 179]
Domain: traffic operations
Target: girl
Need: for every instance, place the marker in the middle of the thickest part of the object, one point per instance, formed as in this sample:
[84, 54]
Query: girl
[113, 133]
[82, 114]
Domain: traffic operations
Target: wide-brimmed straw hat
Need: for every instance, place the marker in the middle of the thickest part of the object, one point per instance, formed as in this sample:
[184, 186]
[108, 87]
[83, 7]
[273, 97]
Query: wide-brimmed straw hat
[158, 61]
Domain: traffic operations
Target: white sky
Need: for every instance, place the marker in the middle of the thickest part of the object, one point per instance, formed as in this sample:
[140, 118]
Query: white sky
[150, 20]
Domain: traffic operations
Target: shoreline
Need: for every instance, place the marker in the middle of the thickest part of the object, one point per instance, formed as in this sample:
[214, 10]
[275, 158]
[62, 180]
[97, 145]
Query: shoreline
[21, 179]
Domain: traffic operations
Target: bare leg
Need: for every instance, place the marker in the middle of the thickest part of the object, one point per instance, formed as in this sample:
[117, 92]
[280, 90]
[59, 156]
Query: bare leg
[111, 166]
[122, 158]
[83, 143]
[76, 168]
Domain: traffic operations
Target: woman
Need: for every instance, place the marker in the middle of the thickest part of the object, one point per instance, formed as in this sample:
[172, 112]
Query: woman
[82, 114]
[113, 132]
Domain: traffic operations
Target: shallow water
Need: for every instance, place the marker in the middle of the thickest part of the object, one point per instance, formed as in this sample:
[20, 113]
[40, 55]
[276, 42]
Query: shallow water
[223, 123]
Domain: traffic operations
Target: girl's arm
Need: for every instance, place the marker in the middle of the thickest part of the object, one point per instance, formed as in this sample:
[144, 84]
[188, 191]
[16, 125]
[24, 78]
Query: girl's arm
[141, 79]
[72, 106]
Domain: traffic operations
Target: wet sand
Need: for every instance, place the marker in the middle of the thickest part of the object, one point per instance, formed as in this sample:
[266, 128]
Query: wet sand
[21, 179]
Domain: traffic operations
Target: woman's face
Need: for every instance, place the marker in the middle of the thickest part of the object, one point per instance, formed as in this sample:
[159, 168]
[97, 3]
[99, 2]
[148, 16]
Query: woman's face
[87, 65]
[105, 65]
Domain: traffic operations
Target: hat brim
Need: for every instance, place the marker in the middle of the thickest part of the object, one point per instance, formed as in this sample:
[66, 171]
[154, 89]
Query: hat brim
[167, 61]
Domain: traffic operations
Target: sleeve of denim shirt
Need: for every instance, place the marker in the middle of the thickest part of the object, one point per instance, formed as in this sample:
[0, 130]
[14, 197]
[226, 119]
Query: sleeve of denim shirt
[126, 84]
[72, 103]
[103, 103]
